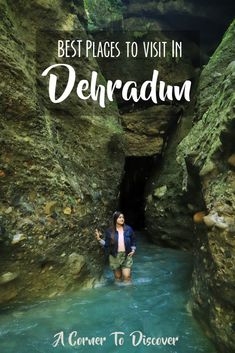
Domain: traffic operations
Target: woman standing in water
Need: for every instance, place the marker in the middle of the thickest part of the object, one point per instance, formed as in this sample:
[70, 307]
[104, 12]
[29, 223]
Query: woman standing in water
[120, 245]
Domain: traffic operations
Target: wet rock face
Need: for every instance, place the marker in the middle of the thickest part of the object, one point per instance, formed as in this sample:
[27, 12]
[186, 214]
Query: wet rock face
[58, 178]
[208, 151]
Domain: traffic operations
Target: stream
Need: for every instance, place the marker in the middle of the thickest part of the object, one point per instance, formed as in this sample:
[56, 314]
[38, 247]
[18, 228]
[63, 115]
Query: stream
[150, 314]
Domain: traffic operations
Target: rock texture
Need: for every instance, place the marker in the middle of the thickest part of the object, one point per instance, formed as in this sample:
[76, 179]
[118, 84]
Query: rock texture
[169, 210]
[146, 130]
[207, 157]
[103, 13]
[56, 161]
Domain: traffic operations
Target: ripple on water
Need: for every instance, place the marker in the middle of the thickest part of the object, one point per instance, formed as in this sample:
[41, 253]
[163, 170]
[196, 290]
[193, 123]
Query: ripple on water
[142, 280]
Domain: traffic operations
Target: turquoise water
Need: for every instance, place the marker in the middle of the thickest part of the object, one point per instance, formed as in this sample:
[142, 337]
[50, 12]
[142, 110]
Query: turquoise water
[154, 305]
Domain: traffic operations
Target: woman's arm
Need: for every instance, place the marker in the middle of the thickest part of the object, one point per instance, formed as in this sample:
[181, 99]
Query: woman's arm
[98, 235]
[103, 242]
[133, 240]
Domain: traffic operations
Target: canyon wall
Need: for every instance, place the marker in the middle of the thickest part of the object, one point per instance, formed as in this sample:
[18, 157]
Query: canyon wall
[207, 157]
[60, 165]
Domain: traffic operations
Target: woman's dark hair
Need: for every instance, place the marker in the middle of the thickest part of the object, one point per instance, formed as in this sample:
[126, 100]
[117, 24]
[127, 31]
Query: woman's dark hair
[115, 217]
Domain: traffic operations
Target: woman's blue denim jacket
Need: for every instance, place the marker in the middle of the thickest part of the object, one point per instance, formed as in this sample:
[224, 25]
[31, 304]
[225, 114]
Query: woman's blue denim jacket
[112, 248]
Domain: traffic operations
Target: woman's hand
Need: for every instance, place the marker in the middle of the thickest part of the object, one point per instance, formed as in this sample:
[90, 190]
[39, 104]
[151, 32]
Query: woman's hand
[131, 253]
[98, 234]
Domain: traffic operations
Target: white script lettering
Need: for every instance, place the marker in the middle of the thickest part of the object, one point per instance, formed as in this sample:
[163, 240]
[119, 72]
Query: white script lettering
[149, 90]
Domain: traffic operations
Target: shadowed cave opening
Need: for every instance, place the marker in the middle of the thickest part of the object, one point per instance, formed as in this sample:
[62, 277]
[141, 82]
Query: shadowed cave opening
[137, 171]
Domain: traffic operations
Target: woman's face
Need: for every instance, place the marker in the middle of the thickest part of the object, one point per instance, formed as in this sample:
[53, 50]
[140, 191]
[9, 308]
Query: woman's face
[120, 220]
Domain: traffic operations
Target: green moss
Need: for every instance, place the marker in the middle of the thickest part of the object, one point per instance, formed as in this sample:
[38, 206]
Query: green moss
[203, 144]
[102, 12]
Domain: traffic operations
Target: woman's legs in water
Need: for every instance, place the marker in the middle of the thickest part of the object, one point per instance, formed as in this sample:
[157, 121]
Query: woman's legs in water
[121, 266]
[126, 274]
[117, 274]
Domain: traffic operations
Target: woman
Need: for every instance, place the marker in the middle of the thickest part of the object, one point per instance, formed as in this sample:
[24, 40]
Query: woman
[120, 245]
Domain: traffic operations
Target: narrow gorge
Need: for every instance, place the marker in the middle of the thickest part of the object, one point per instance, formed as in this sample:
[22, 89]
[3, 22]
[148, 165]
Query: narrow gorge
[170, 167]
